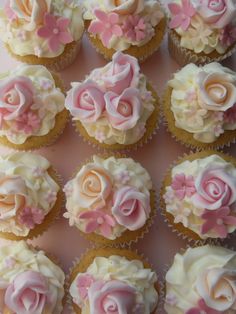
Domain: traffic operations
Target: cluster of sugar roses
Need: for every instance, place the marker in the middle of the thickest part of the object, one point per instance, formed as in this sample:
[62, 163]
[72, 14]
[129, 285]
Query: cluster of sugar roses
[202, 196]
[204, 25]
[121, 24]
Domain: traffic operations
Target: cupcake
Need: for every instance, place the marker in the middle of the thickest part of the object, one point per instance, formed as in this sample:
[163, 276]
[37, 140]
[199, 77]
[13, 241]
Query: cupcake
[32, 112]
[202, 280]
[199, 106]
[112, 281]
[199, 196]
[30, 281]
[30, 197]
[115, 107]
[202, 31]
[136, 27]
[46, 32]
[110, 200]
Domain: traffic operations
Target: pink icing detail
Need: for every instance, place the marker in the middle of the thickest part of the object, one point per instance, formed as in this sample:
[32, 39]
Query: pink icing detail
[230, 115]
[191, 96]
[28, 293]
[10, 262]
[228, 35]
[56, 30]
[131, 208]
[123, 177]
[218, 130]
[218, 220]
[31, 216]
[22, 35]
[97, 219]
[202, 308]
[171, 299]
[111, 297]
[123, 111]
[100, 136]
[51, 197]
[11, 15]
[134, 28]
[106, 25]
[181, 14]
[46, 84]
[83, 283]
[28, 122]
[183, 186]
[86, 101]
[38, 172]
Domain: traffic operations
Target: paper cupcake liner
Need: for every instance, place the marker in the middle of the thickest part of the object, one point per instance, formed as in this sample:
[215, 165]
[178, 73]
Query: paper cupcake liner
[142, 53]
[50, 218]
[152, 126]
[81, 264]
[127, 237]
[56, 64]
[186, 138]
[185, 56]
[178, 228]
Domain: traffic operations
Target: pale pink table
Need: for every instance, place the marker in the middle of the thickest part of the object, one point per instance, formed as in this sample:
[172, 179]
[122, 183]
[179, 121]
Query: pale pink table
[160, 244]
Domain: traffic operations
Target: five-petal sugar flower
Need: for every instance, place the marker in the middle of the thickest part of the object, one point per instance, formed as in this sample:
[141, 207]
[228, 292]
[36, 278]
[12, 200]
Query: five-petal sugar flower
[181, 14]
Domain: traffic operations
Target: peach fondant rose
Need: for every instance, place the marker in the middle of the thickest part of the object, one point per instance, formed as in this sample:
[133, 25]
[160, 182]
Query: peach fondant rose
[86, 101]
[16, 96]
[125, 6]
[214, 189]
[216, 91]
[92, 186]
[217, 286]
[131, 208]
[28, 293]
[123, 111]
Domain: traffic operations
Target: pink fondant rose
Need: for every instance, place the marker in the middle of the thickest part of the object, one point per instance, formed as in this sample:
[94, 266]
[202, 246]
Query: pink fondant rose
[16, 96]
[28, 293]
[131, 208]
[86, 101]
[219, 13]
[214, 189]
[123, 111]
[217, 91]
[125, 6]
[111, 297]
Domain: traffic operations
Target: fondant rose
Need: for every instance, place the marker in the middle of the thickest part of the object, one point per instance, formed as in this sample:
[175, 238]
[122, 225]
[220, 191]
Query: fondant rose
[214, 189]
[217, 286]
[125, 6]
[131, 208]
[92, 186]
[16, 96]
[218, 13]
[86, 101]
[123, 111]
[28, 293]
[111, 297]
[217, 91]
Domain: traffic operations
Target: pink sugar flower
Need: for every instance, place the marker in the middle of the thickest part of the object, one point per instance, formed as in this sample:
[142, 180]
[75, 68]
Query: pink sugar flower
[56, 30]
[134, 28]
[228, 35]
[181, 14]
[218, 220]
[31, 216]
[28, 122]
[11, 15]
[83, 283]
[98, 220]
[230, 115]
[183, 186]
[203, 308]
[106, 26]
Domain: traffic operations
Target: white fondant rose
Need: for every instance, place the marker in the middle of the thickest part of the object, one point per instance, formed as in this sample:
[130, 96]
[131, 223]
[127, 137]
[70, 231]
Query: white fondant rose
[125, 6]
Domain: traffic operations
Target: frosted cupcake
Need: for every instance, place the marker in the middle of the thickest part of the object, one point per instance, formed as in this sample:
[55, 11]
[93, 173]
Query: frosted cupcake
[30, 281]
[199, 196]
[46, 32]
[202, 280]
[110, 200]
[202, 31]
[136, 27]
[30, 196]
[32, 112]
[199, 106]
[113, 281]
[115, 107]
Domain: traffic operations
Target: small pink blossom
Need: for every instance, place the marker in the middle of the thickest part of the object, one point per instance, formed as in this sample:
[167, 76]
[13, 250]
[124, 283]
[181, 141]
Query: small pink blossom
[181, 14]
[203, 308]
[46, 84]
[38, 172]
[228, 35]
[230, 115]
[123, 177]
[183, 186]
[191, 96]
[106, 26]
[10, 262]
[11, 15]
[98, 220]
[22, 35]
[83, 283]
[171, 299]
[218, 130]
[31, 216]
[28, 122]
[56, 30]
[218, 116]
[218, 220]
[134, 28]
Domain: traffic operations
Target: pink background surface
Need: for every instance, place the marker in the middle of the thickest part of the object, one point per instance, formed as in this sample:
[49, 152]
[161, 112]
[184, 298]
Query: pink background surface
[160, 244]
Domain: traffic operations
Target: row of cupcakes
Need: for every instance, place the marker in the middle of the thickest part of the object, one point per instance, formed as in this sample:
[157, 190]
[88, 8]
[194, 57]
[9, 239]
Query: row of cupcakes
[49, 32]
